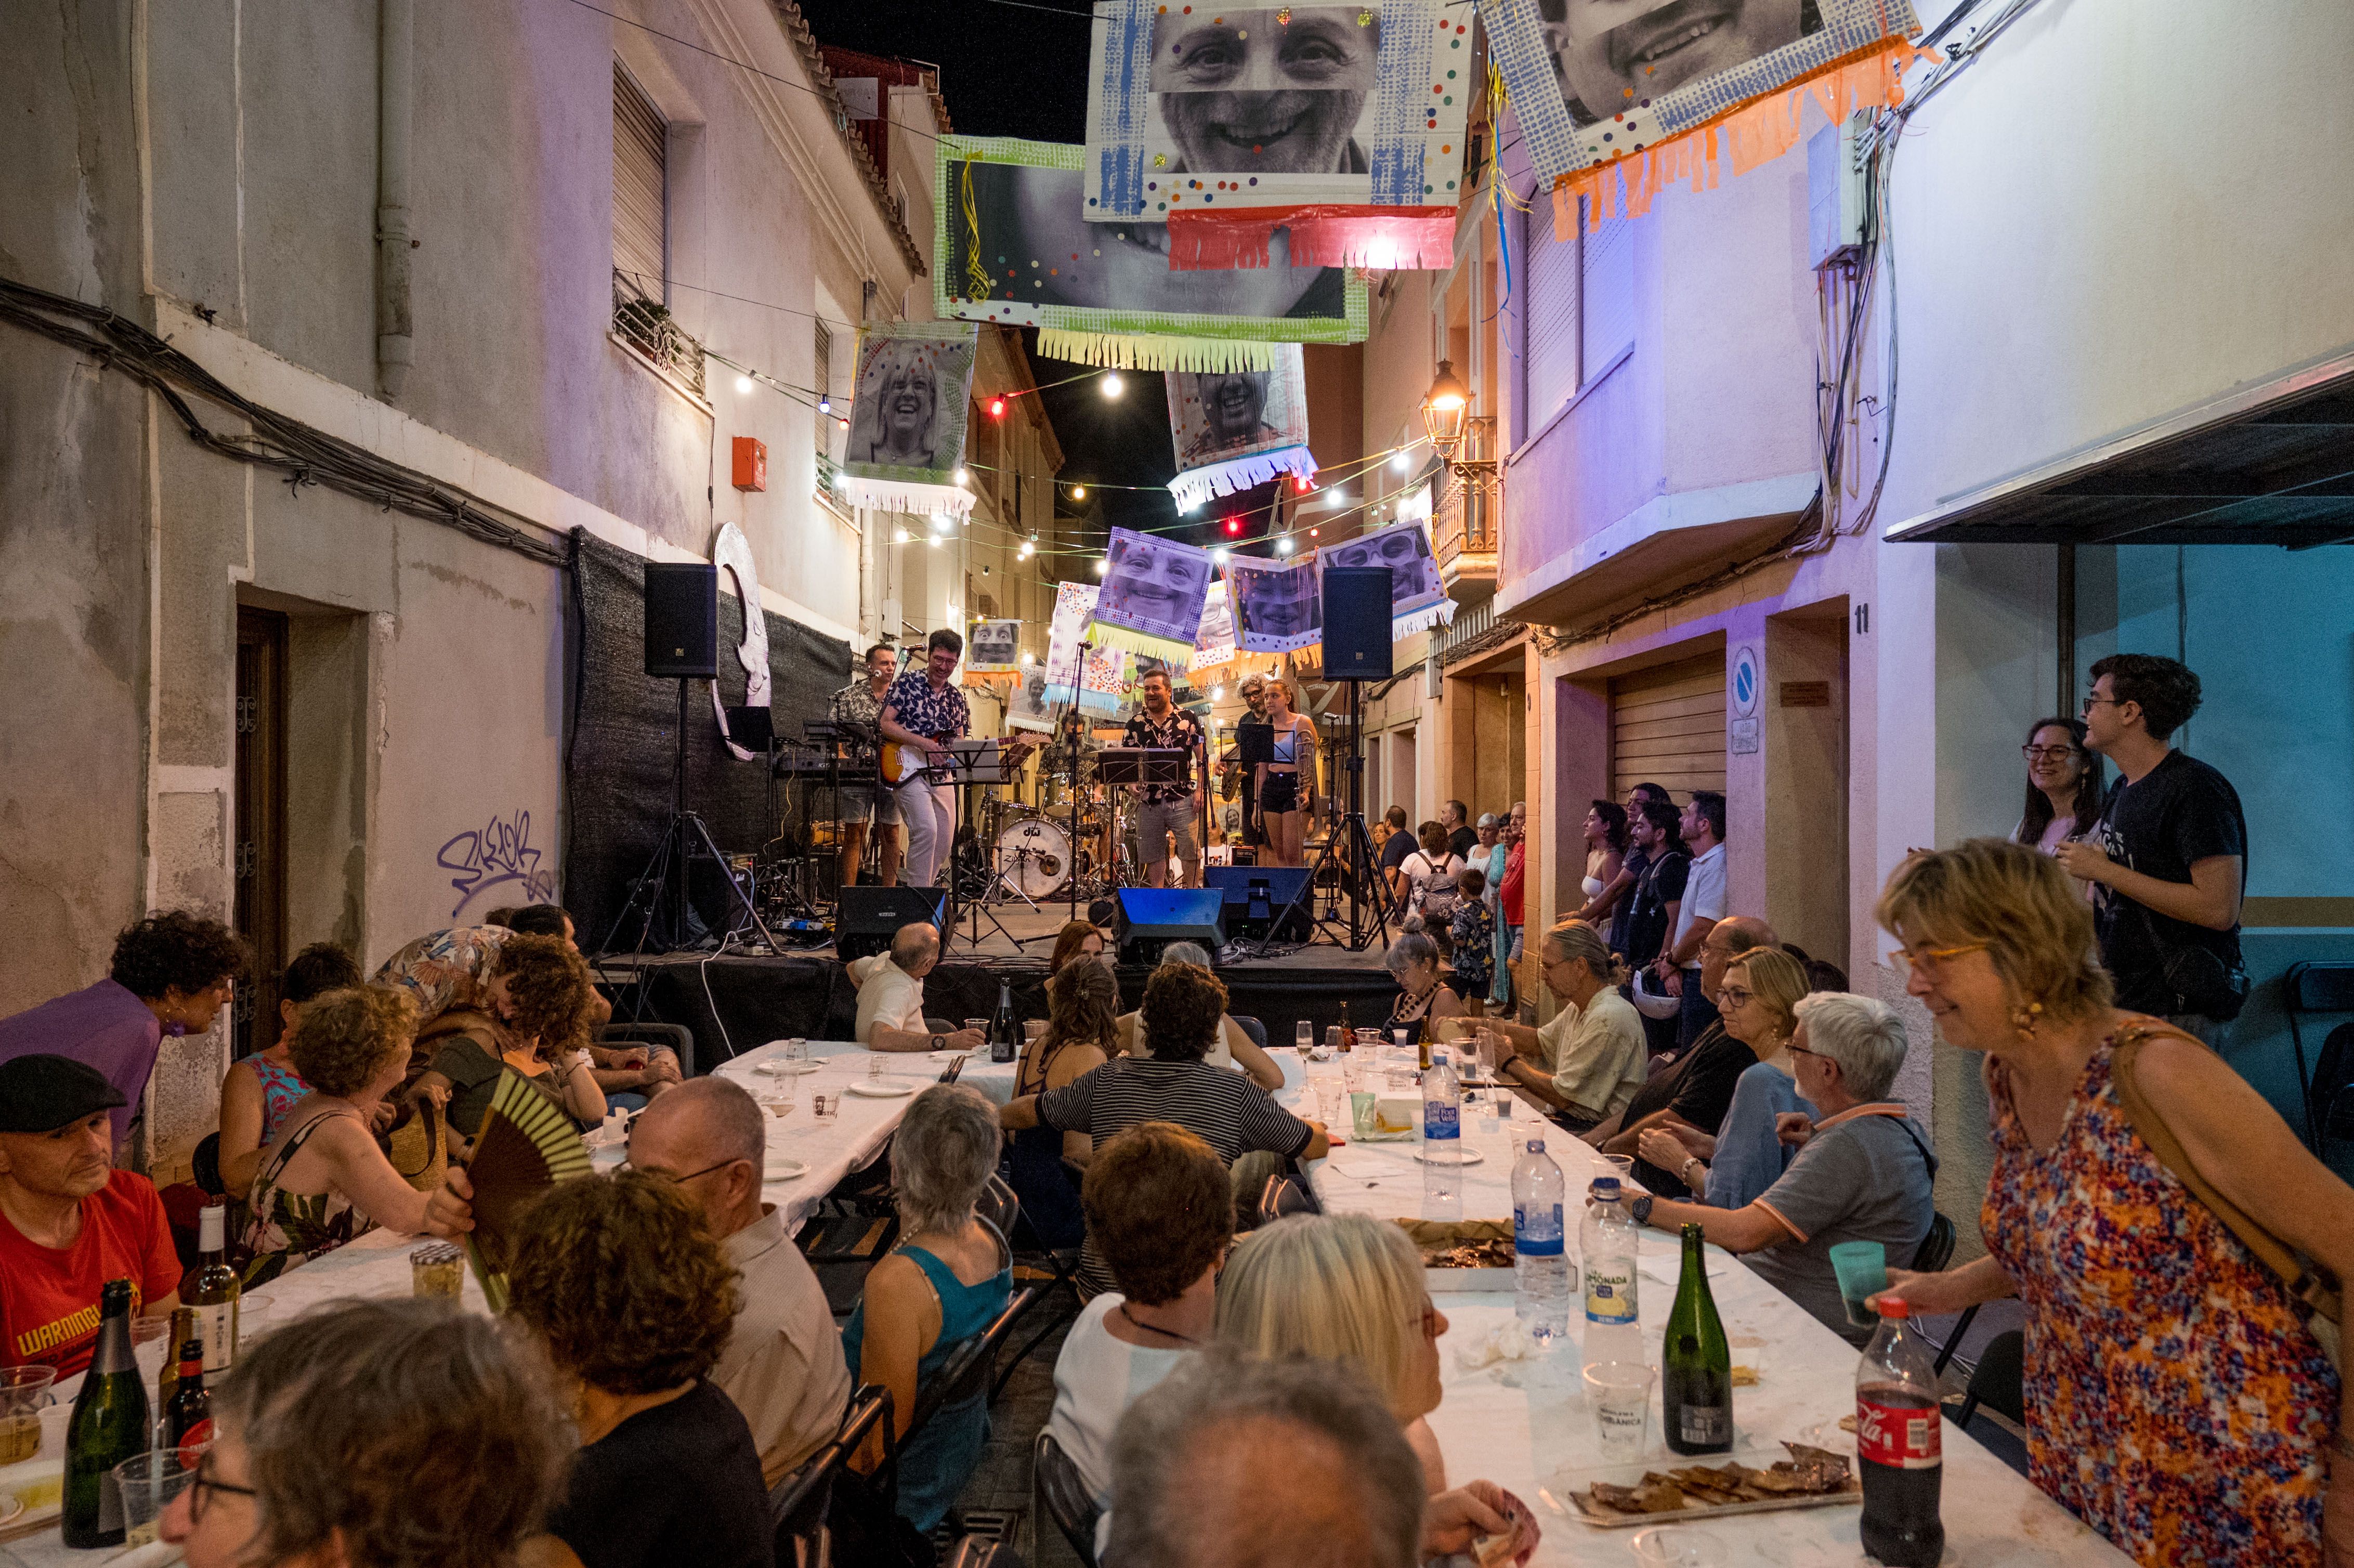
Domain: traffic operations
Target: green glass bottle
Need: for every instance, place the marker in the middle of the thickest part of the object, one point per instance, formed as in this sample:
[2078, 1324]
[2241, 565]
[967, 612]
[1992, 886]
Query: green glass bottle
[1696, 1371]
[108, 1424]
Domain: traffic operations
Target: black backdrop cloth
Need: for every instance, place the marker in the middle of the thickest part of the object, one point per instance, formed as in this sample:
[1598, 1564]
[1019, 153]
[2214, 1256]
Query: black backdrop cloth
[621, 750]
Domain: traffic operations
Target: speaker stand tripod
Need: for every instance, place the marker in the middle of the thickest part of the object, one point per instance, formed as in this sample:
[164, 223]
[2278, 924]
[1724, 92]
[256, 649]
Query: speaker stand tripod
[664, 881]
[1349, 850]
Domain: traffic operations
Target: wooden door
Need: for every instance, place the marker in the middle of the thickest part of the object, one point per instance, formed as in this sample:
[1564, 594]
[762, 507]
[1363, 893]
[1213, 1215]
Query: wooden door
[258, 829]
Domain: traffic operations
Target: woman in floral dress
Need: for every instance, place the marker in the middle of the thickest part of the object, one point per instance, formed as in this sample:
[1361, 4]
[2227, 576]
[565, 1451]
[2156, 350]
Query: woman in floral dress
[2177, 1399]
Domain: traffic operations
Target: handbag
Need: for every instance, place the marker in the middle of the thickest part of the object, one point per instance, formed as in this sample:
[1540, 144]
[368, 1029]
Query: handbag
[2202, 982]
[2305, 1280]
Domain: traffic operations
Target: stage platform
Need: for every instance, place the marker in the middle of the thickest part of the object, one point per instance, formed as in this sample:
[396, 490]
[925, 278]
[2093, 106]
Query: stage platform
[734, 1002]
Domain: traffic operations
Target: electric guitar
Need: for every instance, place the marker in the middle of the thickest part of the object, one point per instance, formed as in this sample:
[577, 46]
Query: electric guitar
[902, 763]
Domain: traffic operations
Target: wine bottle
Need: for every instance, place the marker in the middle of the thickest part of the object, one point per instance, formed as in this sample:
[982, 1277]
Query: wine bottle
[108, 1424]
[1696, 1369]
[188, 1419]
[1005, 1029]
[1347, 1034]
[212, 1290]
[167, 1377]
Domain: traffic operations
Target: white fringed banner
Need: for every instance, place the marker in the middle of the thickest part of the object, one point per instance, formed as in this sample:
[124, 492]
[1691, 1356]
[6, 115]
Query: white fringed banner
[1196, 485]
[898, 495]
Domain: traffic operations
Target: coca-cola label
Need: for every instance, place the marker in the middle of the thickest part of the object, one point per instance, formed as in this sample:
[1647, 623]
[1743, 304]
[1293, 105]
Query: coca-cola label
[1440, 1120]
[1901, 1436]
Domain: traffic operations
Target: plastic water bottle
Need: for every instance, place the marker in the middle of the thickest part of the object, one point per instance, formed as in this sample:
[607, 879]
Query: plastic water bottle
[1607, 1245]
[1540, 1267]
[1442, 1113]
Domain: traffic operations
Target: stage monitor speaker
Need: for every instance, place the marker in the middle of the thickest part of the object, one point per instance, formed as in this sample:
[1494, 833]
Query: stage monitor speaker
[1149, 918]
[1356, 623]
[865, 917]
[683, 619]
[1257, 896]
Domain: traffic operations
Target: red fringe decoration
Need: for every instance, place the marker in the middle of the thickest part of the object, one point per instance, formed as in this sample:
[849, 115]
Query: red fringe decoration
[1387, 238]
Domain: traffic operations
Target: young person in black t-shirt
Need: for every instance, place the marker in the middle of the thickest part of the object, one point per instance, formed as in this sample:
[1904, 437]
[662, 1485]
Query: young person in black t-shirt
[1652, 907]
[2170, 858]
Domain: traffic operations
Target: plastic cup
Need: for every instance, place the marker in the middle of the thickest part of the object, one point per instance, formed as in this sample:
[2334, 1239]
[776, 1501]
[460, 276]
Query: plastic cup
[24, 1393]
[978, 1025]
[1361, 1104]
[148, 1483]
[253, 1316]
[151, 1341]
[1623, 1164]
[826, 1108]
[439, 1269]
[1303, 1038]
[1329, 1100]
[1862, 1270]
[1620, 1394]
[1676, 1546]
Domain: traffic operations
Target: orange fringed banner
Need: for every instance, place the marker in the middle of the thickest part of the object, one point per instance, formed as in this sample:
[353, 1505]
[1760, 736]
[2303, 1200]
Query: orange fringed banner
[1755, 133]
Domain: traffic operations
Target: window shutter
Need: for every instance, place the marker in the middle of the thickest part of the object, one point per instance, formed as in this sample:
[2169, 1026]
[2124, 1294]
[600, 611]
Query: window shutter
[1606, 323]
[1549, 354]
[640, 189]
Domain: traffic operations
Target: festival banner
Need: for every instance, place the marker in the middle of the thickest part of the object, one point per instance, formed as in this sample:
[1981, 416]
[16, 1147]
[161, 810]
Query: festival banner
[1152, 595]
[1277, 606]
[1015, 247]
[994, 648]
[1215, 644]
[1099, 686]
[1343, 125]
[1417, 592]
[1236, 429]
[1647, 92]
[907, 418]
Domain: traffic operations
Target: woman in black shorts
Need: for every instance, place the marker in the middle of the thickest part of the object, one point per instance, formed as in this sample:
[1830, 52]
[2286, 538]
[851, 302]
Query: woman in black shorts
[1286, 786]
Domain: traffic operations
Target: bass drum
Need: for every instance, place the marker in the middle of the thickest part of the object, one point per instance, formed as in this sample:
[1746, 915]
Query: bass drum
[1034, 854]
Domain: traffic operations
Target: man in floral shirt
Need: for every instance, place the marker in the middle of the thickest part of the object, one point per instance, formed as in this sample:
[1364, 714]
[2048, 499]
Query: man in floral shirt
[925, 710]
[861, 704]
[1165, 812]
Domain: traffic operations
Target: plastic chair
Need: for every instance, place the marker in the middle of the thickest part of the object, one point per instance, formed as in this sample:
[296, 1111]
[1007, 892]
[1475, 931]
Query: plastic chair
[799, 1504]
[1064, 1498]
[1999, 1381]
[1936, 1248]
[2332, 1103]
[1251, 1027]
[677, 1036]
[2306, 988]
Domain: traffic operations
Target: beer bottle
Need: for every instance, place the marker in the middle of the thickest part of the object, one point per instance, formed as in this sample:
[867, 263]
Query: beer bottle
[108, 1424]
[188, 1419]
[212, 1290]
[1696, 1369]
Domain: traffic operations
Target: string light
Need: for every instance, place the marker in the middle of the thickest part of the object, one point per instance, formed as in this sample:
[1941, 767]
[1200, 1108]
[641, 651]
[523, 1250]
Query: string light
[1112, 384]
[961, 477]
[900, 535]
[997, 411]
[743, 384]
[1078, 493]
[1403, 459]
[1283, 545]
[1218, 556]
[825, 404]
[1102, 566]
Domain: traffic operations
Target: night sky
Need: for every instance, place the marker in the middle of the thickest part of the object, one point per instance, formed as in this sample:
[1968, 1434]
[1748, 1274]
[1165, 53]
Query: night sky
[1011, 70]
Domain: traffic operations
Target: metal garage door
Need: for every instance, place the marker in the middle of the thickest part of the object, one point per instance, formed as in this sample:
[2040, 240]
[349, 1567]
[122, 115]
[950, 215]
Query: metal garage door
[1667, 726]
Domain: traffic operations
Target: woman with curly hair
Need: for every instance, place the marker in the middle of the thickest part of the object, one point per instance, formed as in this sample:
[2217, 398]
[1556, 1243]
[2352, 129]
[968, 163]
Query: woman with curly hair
[619, 1278]
[946, 1281]
[1082, 1034]
[324, 1179]
[539, 989]
[330, 1432]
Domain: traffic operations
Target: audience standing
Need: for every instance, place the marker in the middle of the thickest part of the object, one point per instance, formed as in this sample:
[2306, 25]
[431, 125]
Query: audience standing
[2063, 786]
[1606, 881]
[1653, 908]
[1588, 1062]
[395, 1433]
[1473, 928]
[1429, 874]
[634, 1301]
[1703, 905]
[1510, 905]
[1864, 1172]
[1396, 844]
[258, 1092]
[945, 1282]
[171, 973]
[69, 1220]
[1455, 818]
[2177, 1399]
[1759, 1001]
[891, 996]
[2169, 862]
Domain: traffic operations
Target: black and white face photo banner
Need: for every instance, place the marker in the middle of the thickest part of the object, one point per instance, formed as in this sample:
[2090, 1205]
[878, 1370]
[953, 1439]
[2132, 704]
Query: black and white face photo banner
[1277, 605]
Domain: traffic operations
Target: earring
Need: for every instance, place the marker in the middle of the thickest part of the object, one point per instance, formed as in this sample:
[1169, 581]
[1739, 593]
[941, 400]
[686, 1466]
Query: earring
[2026, 1019]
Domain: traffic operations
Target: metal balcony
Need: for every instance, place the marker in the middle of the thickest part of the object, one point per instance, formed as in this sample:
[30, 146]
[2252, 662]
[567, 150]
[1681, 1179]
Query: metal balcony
[647, 325]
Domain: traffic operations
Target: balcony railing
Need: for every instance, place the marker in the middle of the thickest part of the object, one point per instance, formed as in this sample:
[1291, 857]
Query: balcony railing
[1463, 525]
[647, 325]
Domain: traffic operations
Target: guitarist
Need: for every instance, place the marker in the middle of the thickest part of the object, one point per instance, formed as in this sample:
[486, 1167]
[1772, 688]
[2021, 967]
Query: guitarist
[922, 712]
[861, 704]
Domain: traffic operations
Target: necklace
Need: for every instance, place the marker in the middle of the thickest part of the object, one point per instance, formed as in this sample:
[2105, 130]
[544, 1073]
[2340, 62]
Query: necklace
[1408, 1009]
[1156, 1328]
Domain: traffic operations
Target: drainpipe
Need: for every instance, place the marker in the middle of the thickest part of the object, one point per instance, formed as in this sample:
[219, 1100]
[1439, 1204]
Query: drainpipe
[396, 344]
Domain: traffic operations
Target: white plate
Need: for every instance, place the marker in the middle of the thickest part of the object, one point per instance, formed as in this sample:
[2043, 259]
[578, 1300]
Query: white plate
[10, 1505]
[945, 1055]
[783, 1169]
[883, 1088]
[1466, 1157]
[778, 1068]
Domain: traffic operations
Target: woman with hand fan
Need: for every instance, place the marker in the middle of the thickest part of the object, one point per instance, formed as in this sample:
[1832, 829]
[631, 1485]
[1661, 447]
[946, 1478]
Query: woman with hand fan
[541, 992]
[324, 1179]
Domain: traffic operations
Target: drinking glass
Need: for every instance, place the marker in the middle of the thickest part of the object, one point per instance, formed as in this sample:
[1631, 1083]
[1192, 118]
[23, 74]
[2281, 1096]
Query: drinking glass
[24, 1391]
[874, 1063]
[1676, 1546]
[151, 1341]
[1625, 1166]
[825, 1108]
[1352, 1073]
[1332, 1038]
[796, 1055]
[1620, 1393]
[1483, 1051]
[978, 1025]
[1330, 1098]
[1303, 1038]
[148, 1483]
[1404, 1038]
[1861, 1269]
[782, 1096]
[1032, 1028]
[1362, 1107]
[1369, 1040]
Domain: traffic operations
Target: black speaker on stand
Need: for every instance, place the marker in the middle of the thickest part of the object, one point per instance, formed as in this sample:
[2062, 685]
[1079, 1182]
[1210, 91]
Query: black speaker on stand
[1356, 650]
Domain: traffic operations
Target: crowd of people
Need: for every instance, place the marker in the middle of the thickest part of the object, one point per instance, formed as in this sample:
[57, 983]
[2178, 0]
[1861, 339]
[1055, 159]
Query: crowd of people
[1229, 1377]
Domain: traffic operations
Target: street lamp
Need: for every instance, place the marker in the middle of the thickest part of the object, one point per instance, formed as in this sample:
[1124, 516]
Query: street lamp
[1445, 408]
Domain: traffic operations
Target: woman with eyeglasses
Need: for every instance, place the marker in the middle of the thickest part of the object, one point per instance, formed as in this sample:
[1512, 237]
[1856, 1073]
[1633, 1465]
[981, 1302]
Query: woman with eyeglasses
[392, 1433]
[2178, 1398]
[2063, 786]
[1759, 1002]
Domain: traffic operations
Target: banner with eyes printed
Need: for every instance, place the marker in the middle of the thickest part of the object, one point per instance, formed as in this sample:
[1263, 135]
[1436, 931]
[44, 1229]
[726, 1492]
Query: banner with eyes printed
[1342, 124]
[1235, 429]
[1417, 592]
[907, 418]
[1152, 595]
[1015, 247]
[1278, 608]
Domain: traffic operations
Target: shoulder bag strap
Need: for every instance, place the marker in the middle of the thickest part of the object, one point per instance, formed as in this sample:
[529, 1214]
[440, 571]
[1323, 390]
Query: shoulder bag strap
[2276, 1254]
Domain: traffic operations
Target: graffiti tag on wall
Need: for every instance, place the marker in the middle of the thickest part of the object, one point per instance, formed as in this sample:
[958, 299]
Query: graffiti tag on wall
[498, 852]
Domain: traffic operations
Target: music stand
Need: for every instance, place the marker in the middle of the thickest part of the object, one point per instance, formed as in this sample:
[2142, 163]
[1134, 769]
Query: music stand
[973, 764]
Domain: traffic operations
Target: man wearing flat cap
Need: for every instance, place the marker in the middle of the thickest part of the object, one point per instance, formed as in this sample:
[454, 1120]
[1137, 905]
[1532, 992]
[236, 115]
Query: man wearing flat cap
[70, 1222]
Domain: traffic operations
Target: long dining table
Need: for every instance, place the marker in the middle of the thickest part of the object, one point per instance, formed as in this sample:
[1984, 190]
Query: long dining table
[1524, 1422]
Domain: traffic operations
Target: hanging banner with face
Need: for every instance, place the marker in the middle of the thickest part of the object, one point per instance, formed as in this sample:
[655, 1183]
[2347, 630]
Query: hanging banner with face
[1152, 596]
[1417, 593]
[1277, 606]
[994, 647]
[1236, 429]
[731, 552]
[1015, 247]
[1096, 688]
[1026, 706]
[1215, 644]
[1343, 125]
[907, 418]
[1606, 89]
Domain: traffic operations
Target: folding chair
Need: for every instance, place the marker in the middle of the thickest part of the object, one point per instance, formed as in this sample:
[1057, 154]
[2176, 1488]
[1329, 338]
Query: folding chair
[2308, 987]
[1000, 1208]
[1064, 1498]
[969, 1366]
[2000, 1381]
[677, 1036]
[798, 1504]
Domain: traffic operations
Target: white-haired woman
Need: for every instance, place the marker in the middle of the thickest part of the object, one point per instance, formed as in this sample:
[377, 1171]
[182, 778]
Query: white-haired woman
[1863, 1171]
[1413, 962]
[943, 1284]
[1588, 1062]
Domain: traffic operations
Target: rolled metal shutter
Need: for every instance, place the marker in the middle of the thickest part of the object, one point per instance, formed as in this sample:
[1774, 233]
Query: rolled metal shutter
[641, 185]
[1667, 727]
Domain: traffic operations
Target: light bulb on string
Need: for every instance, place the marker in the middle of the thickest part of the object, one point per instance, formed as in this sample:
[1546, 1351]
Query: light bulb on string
[825, 404]
[962, 477]
[1102, 566]
[997, 408]
[743, 384]
[1402, 459]
[900, 537]
[1078, 493]
[1112, 384]
[1283, 545]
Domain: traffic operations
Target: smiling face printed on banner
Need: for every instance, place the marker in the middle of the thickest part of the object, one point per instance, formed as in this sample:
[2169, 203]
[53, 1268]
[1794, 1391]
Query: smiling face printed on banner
[1155, 587]
[1279, 604]
[1404, 551]
[895, 415]
[1614, 54]
[1273, 91]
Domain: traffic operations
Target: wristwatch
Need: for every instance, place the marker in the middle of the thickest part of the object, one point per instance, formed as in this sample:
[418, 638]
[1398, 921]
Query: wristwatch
[940, 1041]
[1641, 1209]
